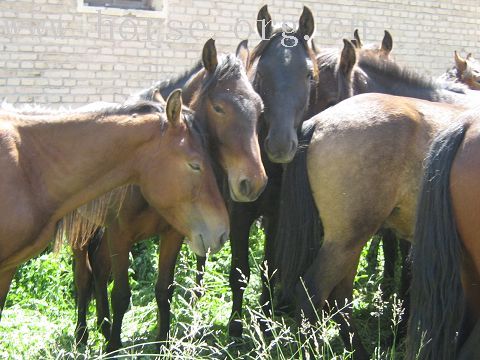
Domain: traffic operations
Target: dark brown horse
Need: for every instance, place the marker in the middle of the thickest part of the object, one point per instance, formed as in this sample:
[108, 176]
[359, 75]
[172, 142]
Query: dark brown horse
[295, 83]
[383, 51]
[228, 108]
[52, 164]
[284, 72]
[300, 231]
[445, 322]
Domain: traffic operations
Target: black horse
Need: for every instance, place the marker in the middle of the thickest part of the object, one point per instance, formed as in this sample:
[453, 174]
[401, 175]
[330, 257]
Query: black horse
[284, 72]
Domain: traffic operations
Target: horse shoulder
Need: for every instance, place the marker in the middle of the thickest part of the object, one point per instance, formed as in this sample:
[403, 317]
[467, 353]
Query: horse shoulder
[18, 215]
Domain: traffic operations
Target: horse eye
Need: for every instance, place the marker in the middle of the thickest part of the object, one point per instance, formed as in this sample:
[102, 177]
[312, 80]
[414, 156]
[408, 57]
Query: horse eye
[310, 76]
[218, 109]
[195, 166]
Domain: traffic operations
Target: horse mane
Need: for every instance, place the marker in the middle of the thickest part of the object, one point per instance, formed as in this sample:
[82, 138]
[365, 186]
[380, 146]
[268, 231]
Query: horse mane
[165, 87]
[328, 58]
[229, 67]
[403, 75]
[263, 45]
[80, 225]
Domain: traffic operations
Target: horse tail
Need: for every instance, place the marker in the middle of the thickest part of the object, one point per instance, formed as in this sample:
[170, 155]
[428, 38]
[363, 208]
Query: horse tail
[436, 293]
[299, 227]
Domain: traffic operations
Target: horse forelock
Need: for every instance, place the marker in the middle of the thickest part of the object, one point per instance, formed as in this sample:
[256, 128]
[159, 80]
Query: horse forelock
[278, 33]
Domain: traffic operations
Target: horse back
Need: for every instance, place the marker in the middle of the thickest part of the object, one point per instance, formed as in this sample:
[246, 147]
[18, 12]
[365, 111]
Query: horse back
[372, 146]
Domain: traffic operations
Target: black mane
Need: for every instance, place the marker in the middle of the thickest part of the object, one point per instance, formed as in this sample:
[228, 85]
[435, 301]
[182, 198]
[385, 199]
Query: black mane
[167, 86]
[229, 67]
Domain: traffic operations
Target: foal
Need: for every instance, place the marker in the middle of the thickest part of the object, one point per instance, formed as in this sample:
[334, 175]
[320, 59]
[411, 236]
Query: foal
[227, 106]
[53, 164]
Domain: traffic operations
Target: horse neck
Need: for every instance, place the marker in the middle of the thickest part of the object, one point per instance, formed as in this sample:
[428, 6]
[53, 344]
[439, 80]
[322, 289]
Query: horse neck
[71, 161]
[366, 81]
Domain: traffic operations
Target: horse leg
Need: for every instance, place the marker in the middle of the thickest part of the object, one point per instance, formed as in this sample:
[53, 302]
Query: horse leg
[268, 274]
[201, 260]
[101, 268]
[240, 222]
[333, 268]
[83, 285]
[341, 298]
[390, 245]
[5, 281]
[170, 245]
[119, 249]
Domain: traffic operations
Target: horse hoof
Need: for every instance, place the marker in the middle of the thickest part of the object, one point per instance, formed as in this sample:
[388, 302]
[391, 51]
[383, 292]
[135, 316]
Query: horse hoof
[81, 335]
[235, 328]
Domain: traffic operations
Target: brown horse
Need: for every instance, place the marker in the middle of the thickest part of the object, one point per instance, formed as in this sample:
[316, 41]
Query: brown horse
[295, 83]
[53, 164]
[222, 96]
[466, 71]
[361, 172]
[368, 74]
[445, 322]
[383, 51]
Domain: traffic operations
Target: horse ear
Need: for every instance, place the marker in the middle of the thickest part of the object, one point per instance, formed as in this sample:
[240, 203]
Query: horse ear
[357, 42]
[469, 56]
[306, 24]
[348, 58]
[157, 96]
[209, 56]
[460, 62]
[174, 107]
[243, 53]
[264, 23]
[387, 42]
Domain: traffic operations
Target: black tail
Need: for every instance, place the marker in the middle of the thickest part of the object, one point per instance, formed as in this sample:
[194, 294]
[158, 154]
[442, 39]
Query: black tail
[436, 294]
[299, 230]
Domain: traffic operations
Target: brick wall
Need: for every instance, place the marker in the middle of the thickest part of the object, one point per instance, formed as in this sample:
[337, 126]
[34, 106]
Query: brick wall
[51, 52]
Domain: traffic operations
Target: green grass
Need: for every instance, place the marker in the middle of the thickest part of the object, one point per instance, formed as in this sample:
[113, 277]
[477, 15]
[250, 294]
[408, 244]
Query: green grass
[39, 318]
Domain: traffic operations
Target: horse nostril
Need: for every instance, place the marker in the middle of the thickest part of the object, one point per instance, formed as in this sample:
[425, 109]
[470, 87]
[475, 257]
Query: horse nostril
[245, 187]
